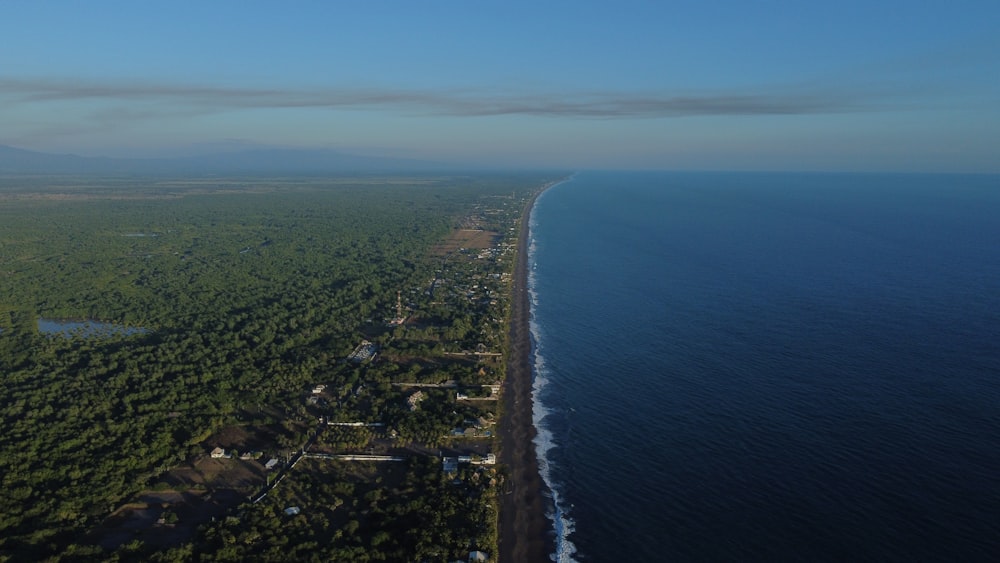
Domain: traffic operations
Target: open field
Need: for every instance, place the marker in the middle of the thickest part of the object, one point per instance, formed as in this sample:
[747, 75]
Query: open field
[236, 474]
[465, 238]
[162, 519]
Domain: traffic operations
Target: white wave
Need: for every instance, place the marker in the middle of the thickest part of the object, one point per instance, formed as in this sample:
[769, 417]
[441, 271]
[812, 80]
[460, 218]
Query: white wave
[544, 441]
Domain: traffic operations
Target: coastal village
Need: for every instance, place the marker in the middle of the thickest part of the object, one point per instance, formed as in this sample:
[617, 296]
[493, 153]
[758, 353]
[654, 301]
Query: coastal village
[419, 389]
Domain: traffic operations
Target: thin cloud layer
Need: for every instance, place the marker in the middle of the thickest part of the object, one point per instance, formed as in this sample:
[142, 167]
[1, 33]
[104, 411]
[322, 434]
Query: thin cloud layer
[209, 99]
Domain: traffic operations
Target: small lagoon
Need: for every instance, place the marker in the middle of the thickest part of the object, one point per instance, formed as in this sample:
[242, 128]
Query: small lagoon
[85, 328]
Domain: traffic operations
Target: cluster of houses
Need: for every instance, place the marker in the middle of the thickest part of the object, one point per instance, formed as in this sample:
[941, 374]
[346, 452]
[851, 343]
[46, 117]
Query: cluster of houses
[413, 401]
[450, 464]
[314, 398]
[219, 453]
[477, 428]
[364, 351]
[493, 396]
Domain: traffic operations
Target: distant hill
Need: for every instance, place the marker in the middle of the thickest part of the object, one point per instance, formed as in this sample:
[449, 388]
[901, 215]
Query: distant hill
[301, 161]
[20, 161]
[254, 161]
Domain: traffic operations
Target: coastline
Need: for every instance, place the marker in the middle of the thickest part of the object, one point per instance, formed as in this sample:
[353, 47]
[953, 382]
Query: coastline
[526, 533]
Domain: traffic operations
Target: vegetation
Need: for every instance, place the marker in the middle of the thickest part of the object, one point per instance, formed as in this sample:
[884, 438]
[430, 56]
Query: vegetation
[356, 512]
[252, 292]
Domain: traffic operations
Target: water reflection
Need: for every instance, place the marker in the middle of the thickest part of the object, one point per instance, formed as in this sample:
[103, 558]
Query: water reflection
[86, 328]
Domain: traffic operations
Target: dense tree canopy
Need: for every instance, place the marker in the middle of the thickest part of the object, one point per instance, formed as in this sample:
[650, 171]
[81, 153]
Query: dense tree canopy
[250, 291]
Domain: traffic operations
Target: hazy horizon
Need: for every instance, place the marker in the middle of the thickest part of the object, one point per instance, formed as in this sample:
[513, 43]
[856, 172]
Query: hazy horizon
[635, 85]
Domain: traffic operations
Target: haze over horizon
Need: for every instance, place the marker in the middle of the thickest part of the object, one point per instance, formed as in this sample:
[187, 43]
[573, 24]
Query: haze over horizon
[850, 86]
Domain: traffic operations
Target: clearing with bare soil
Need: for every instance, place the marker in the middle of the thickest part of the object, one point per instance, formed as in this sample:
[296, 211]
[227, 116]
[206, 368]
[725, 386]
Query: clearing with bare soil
[466, 238]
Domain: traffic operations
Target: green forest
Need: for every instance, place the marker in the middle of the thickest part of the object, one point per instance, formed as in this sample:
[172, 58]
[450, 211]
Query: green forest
[244, 292]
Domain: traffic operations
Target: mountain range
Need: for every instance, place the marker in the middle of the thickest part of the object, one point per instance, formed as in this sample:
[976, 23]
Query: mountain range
[251, 161]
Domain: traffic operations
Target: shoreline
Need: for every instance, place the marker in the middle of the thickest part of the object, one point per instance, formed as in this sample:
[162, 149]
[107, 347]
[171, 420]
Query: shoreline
[526, 533]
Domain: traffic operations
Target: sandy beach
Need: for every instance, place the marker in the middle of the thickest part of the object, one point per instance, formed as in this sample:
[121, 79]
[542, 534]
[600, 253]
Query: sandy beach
[525, 532]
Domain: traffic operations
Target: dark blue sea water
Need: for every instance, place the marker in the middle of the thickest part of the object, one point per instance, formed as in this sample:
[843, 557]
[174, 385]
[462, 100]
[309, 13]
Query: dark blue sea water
[775, 367]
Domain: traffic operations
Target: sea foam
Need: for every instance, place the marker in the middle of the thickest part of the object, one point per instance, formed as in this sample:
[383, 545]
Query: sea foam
[558, 513]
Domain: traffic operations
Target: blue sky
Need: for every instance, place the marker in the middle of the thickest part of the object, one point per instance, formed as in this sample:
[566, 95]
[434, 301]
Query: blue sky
[722, 85]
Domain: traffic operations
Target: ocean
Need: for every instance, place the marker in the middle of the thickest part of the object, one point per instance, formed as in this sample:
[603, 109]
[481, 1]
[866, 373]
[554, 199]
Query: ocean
[770, 367]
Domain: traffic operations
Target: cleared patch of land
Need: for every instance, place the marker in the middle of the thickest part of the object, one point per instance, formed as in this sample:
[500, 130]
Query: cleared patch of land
[163, 518]
[476, 239]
